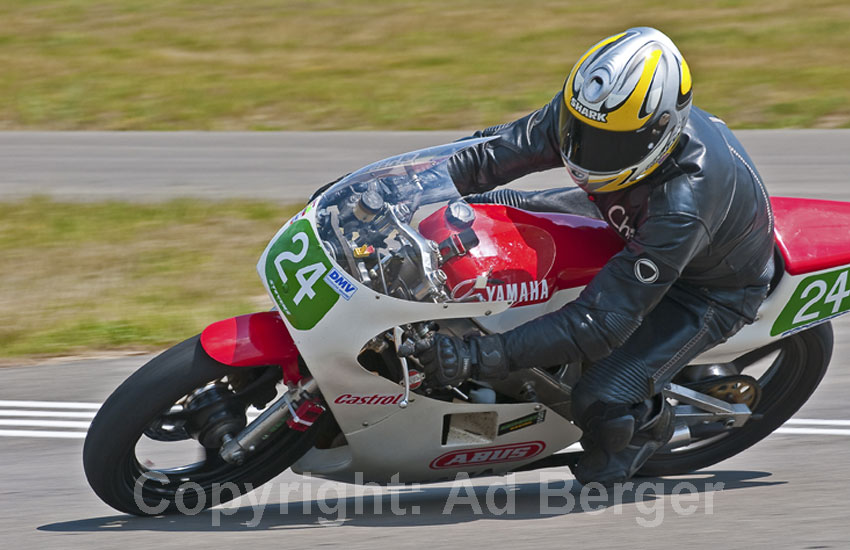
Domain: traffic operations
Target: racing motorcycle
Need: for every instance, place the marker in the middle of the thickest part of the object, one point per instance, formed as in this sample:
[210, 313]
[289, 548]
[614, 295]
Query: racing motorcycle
[370, 269]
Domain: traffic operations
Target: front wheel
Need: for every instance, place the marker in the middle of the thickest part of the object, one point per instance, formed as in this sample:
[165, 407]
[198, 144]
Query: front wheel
[151, 413]
[796, 365]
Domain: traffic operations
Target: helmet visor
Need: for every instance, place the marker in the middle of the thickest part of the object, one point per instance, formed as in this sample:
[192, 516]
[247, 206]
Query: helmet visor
[604, 151]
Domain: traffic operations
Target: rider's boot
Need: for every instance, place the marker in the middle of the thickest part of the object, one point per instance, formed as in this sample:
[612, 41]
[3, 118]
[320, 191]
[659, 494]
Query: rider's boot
[619, 439]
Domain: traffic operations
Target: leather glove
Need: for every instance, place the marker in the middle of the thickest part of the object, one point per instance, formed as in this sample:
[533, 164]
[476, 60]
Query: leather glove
[567, 200]
[507, 197]
[450, 360]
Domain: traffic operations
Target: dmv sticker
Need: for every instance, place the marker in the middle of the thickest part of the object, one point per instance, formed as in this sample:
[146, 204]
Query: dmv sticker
[340, 283]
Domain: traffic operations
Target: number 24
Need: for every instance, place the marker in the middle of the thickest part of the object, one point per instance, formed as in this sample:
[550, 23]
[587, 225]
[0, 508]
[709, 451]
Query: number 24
[307, 276]
[836, 295]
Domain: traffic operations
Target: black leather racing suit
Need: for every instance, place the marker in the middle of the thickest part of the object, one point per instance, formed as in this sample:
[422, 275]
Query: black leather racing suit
[696, 265]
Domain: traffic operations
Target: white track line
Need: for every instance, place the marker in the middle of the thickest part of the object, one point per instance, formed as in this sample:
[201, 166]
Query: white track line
[25, 414]
[806, 422]
[47, 414]
[45, 434]
[45, 423]
[811, 431]
[49, 404]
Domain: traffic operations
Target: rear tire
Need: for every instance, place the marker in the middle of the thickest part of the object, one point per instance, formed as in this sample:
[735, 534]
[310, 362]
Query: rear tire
[109, 453]
[786, 386]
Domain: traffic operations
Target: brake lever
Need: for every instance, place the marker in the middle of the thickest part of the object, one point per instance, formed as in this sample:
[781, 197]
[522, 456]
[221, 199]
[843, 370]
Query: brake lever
[398, 334]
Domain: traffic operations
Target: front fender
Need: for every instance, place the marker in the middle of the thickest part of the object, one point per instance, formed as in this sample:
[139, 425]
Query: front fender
[253, 340]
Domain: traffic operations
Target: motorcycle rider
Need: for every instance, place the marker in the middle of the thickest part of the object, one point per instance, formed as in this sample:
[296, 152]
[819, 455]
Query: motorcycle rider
[686, 199]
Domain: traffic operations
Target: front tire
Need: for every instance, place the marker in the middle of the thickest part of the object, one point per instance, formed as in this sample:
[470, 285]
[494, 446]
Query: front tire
[786, 385]
[119, 478]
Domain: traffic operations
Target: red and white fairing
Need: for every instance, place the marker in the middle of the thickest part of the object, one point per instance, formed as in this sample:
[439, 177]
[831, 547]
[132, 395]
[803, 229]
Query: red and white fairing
[500, 268]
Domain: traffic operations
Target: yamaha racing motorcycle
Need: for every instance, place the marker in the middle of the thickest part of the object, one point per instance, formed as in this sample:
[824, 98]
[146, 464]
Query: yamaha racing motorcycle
[373, 266]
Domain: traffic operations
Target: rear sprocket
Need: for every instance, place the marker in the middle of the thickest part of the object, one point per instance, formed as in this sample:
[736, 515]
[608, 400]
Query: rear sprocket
[737, 388]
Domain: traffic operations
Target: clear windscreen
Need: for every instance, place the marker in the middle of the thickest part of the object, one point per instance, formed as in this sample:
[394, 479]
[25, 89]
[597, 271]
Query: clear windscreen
[369, 222]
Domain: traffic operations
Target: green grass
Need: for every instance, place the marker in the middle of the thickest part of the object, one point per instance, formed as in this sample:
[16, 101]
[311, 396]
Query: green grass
[111, 276]
[400, 64]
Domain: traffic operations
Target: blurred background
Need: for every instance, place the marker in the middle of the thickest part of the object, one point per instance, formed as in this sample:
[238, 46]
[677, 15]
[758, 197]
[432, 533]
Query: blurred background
[85, 273]
[394, 64]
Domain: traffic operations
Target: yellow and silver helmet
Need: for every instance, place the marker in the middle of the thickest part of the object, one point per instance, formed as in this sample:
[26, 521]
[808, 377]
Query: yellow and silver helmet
[626, 102]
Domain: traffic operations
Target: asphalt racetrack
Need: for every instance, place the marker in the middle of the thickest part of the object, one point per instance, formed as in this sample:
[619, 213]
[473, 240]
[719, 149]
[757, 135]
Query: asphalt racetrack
[788, 492]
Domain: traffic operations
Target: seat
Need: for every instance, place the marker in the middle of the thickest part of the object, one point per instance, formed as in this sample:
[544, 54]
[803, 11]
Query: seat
[811, 234]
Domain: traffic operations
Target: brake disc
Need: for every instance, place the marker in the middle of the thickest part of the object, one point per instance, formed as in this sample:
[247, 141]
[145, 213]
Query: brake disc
[738, 388]
[168, 427]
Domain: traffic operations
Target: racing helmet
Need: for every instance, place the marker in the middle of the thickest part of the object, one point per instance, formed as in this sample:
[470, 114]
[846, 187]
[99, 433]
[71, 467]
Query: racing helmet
[626, 102]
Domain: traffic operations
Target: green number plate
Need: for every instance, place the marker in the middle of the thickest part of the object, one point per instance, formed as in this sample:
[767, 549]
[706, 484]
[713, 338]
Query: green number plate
[295, 267]
[817, 298]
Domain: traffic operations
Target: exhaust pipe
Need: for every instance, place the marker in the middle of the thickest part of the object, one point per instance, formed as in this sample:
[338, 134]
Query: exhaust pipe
[681, 436]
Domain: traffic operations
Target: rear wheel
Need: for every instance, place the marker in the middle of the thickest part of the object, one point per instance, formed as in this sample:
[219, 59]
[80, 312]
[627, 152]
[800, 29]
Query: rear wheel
[787, 371]
[181, 392]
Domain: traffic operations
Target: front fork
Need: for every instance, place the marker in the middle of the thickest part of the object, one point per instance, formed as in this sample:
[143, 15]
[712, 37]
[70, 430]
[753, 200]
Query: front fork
[297, 409]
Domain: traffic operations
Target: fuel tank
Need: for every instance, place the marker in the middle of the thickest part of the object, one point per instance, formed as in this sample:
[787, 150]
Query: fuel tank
[503, 253]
